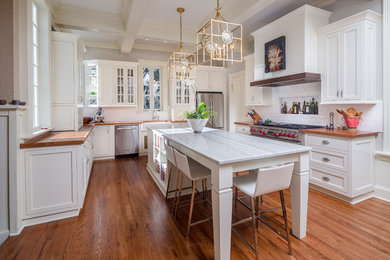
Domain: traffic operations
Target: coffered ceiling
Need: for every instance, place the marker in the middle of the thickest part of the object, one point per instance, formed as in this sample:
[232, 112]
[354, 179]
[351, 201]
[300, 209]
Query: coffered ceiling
[154, 24]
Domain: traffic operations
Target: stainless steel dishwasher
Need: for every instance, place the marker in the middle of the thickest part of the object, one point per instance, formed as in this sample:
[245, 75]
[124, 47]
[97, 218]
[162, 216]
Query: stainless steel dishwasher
[126, 140]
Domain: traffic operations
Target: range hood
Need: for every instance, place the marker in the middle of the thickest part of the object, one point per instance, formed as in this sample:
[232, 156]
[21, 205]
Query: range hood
[300, 78]
[300, 52]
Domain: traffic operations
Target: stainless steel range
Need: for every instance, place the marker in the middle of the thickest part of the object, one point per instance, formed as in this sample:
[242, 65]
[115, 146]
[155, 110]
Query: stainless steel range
[283, 132]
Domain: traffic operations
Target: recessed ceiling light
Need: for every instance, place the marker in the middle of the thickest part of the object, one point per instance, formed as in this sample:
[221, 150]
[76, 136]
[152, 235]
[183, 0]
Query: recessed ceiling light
[146, 39]
[165, 41]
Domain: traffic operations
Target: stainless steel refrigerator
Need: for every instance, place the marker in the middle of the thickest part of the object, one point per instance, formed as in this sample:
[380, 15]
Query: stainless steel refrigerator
[213, 100]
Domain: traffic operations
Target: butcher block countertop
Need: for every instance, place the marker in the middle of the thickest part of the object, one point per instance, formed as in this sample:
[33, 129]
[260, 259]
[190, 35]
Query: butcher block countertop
[136, 122]
[59, 138]
[242, 123]
[340, 133]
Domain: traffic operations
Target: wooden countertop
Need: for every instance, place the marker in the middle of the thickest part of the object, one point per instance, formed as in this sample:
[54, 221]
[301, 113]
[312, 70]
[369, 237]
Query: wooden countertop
[59, 138]
[340, 133]
[242, 123]
[137, 122]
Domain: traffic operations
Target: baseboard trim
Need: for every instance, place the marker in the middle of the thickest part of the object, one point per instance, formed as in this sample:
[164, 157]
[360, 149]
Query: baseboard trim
[3, 236]
[349, 200]
[50, 218]
[382, 193]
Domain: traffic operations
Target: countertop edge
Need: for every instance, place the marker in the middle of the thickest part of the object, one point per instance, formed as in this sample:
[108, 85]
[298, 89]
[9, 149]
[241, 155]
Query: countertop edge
[136, 122]
[338, 133]
[242, 123]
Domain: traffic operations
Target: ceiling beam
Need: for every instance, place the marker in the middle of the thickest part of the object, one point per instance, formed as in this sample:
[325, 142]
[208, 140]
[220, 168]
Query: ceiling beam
[136, 11]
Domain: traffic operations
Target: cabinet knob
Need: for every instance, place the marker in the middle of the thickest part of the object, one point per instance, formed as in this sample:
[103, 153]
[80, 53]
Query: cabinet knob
[325, 159]
[341, 93]
[325, 179]
[325, 142]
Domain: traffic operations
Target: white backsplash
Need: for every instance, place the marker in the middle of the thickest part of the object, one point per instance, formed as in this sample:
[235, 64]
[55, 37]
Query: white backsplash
[127, 114]
[371, 119]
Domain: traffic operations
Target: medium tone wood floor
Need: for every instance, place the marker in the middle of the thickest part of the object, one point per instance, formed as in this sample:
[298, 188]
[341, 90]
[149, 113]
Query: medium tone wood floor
[125, 216]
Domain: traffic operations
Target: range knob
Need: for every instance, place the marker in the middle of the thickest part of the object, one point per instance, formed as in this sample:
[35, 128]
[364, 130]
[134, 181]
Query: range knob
[264, 133]
[284, 134]
[259, 131]
[280, 134]
[276, 135]
[289, 135]
[293, 136]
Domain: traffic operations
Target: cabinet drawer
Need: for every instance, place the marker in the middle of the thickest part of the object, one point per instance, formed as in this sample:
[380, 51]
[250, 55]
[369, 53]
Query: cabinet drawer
[326, 142]
[333, 160]
[243, 129]
[324, 179]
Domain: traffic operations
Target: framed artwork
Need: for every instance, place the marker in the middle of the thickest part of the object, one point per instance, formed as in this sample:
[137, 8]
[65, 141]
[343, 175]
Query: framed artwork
[275, 55]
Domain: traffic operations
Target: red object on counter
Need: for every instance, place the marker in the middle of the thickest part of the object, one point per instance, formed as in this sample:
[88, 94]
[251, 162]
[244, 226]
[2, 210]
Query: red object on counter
[352, 122]
[293, 136]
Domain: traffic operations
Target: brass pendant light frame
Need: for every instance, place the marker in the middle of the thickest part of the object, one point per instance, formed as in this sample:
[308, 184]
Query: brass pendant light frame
[212, 49]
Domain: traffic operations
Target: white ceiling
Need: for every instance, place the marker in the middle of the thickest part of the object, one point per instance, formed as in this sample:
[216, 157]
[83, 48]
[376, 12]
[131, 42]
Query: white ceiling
[154, 24]
[110, 6]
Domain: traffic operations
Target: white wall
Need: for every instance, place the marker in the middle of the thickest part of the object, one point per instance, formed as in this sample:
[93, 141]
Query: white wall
[345, 8]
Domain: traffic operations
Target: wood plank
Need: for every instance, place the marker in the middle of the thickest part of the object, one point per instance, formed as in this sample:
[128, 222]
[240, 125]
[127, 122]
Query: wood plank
[125, 216]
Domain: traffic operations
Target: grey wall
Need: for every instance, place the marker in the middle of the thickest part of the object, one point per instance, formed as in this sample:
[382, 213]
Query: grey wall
[344, 8]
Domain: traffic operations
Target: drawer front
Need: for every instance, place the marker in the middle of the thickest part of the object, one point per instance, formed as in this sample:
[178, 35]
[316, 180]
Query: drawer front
[242, 129]
[326, 142]
[337, 183]
[338, 161]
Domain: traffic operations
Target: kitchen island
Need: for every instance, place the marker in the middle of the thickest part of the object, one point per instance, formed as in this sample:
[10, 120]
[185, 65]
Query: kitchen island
[225, 153]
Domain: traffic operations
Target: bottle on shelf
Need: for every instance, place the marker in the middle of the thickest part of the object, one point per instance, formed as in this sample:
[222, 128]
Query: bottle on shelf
[299, 108]
[304, 107]
[307, 108]
[285, 110]
[316, 108]
[294, 108]
[312, 106]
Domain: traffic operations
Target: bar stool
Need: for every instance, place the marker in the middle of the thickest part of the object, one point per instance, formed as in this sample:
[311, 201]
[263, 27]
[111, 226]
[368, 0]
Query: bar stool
[194, 173]
[171, 167]
[266, 181]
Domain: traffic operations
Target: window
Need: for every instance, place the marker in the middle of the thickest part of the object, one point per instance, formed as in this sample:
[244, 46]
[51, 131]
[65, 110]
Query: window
[35, 67]
[151, 79]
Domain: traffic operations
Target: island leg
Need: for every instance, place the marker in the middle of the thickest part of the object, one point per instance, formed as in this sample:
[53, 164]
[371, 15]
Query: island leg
[299, 195]
[222, 195]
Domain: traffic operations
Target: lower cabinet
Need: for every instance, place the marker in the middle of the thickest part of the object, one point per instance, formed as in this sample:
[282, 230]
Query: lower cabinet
[242, 129]
[104, 142]
[56, 180]
[342, 165]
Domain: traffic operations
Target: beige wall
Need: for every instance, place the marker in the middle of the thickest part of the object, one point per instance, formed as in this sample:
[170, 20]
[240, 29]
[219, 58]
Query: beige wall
[9, 49]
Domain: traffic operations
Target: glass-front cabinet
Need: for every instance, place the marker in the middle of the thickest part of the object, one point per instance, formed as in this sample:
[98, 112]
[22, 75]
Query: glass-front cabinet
[110, 83]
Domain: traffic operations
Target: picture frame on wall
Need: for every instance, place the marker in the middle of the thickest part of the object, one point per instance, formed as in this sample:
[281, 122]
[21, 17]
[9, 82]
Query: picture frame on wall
[275, 55]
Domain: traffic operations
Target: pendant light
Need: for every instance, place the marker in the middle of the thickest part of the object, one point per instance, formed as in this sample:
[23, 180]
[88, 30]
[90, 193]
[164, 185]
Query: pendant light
[219, 42]
[182, 64]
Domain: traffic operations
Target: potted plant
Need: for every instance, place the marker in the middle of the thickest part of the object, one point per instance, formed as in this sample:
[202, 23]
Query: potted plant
[198, 118]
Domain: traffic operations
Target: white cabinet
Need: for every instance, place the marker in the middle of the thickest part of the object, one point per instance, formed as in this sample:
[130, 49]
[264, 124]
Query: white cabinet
[342, 166]
[116, 83]
[348, 58]
[67, 50]
[255, 96]
[242, 129]
[51, 180]
[104, 142]
[210, 79]
[143, 143]
[4, 212]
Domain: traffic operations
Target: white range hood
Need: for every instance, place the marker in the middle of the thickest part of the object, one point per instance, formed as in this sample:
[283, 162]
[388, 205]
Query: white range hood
[299, 28]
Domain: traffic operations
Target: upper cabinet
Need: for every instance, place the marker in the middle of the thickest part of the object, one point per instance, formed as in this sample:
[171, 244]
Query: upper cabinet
[68, 94]
[255, 96]
[210, 79]
[348, 58]
[110, 83]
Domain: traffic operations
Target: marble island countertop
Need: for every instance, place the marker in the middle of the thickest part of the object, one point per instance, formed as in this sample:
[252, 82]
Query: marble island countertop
[225, 147]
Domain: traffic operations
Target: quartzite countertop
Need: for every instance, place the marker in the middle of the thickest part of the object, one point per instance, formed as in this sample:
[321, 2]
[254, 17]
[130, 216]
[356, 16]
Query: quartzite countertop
[224, 147]
[340, 133]
[59, 138]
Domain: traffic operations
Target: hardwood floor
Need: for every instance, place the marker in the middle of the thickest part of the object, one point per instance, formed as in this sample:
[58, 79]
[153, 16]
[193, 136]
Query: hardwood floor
[125, 216]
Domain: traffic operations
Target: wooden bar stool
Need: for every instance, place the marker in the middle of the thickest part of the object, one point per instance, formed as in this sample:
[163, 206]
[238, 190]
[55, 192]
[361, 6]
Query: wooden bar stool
[266, 181]
[194, 173]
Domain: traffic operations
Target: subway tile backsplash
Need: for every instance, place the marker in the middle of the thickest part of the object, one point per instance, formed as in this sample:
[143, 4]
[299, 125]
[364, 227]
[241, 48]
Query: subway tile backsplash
[371, 118]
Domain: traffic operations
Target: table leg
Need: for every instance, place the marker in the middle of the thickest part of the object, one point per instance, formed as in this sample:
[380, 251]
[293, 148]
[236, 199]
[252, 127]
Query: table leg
[222, 195]
[299, 196]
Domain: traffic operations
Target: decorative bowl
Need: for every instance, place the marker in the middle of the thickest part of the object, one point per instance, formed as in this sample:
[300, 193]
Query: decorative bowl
[197, 124]
[352, 121]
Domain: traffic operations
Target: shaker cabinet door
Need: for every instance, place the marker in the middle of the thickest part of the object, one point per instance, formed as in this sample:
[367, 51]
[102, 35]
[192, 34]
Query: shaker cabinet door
[106, 77]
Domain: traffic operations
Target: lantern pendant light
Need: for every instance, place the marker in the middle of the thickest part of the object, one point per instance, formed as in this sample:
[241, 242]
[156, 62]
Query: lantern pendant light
[219, 42]
[182, 64]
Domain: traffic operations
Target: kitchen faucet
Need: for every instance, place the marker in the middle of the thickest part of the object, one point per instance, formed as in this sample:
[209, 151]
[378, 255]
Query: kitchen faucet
[155, 116]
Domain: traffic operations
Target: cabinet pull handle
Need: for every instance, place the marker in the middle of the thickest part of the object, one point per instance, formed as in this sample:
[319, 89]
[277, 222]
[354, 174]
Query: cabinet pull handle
[341, 93]
[325, 179]
[325, 142]
[338, 93]
[325, 159]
